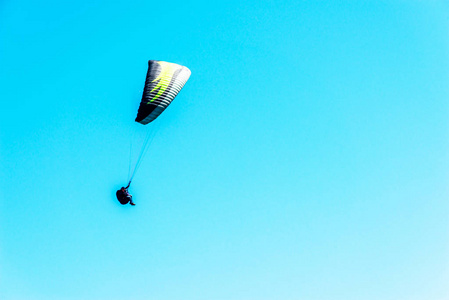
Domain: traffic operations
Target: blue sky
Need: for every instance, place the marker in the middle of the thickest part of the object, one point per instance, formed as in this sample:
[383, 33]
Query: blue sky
[306, 158]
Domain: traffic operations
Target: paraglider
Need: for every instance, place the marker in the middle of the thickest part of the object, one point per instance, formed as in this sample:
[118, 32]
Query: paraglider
[163, 82]
[124, 197]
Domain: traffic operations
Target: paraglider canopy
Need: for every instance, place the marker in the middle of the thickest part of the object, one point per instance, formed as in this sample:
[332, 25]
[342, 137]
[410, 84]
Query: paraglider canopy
[164, 81]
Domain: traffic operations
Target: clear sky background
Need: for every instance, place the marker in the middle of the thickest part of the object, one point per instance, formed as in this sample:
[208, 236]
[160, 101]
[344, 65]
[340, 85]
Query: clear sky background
[306, 158]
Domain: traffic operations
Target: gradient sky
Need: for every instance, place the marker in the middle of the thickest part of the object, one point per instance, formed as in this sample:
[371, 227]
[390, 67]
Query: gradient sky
[306, 158]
